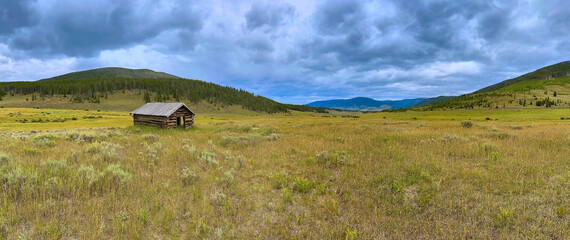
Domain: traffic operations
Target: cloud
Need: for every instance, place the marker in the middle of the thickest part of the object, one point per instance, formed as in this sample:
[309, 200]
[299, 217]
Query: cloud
[83, 29]
[293, 51]
[32, 68]
[15, 14]
[268, 16]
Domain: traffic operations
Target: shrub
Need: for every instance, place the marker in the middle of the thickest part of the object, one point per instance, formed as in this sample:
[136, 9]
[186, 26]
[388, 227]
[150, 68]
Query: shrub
[106, 151]
[208, 157]
[273, 137]
[340, 139]
[54, 185]
[350, 235]
[487, 147]
[88, 175]
[30, 151]
[279, 180]
[4, 159]
[15, 180]
[504, 217]
[338, 158]
[45, 140]
[302, 185]
[449, 137]
[54, 167]
[466, 124]
[152, 149]
[188, 177]
[249, 139]
[114, 175]
[494, 157]
[86, 137]
[151, 137]
[286, 195]
[72, 136]
[294, 150]
[229, 140]
[503, 135]
[229, 176]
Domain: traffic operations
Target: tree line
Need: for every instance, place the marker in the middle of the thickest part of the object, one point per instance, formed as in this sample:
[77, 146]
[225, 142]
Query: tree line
[162, 89]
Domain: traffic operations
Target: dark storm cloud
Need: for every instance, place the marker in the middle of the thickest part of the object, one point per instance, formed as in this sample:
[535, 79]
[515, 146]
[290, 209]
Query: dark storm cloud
[268, 15]
[15, 14]
[83, 29]
[339, 17]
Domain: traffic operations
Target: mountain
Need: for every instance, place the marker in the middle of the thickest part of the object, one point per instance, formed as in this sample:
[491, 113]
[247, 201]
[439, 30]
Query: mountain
[365, 104]
[112, 72]
[546, 87]
[122, 89]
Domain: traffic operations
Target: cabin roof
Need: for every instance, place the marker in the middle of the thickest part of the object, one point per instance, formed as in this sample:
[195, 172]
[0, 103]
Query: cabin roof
[160, 109]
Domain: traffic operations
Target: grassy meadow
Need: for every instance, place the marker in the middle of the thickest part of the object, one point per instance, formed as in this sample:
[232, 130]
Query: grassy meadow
[407, 175]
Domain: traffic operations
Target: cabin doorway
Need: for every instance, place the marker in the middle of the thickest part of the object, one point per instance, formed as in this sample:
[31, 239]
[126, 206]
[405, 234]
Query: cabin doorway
[180, 121]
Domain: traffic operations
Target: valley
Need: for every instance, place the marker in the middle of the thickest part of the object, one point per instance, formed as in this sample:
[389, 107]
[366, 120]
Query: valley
[299, 175]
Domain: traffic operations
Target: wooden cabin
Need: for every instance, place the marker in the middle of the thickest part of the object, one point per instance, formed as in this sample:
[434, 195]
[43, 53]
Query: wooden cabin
[164, 115]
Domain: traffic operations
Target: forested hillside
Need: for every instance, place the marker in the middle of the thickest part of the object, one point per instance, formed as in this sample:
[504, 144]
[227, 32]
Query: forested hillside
[92, 87]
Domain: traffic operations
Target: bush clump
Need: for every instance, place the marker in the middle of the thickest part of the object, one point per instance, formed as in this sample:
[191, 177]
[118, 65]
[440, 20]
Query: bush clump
[45, 140]
[4, 159]
[279, 180]
[114, 176]
[87, 175]
[54, 167]
[208, 157]
[332, 159]
[466, 124]
[14, 181]
[188, 177]
[302, 185]
[151, 137]
[104, 150]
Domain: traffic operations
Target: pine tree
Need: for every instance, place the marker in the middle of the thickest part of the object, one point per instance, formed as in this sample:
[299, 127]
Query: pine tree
[146, 97]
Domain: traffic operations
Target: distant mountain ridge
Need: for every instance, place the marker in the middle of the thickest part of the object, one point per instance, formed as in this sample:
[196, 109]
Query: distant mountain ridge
[111, 72]
[365, 104]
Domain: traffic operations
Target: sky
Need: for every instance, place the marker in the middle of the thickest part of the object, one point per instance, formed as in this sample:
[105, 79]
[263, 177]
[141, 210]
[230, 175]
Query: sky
[294, 51]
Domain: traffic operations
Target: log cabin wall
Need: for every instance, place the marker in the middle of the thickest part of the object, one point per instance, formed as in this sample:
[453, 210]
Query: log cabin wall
[182, 112]
[147, 120]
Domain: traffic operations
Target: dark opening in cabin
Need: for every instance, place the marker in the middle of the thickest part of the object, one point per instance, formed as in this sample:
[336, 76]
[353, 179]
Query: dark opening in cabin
[180, 121]
[164, 115]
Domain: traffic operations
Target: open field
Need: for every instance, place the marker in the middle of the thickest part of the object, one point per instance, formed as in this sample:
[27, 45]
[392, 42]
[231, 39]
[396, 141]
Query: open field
[295, 176]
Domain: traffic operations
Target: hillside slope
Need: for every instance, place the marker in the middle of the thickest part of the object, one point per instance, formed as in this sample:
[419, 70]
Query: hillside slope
[366, 104]
[544, 88]
[91, 88]
[433, 100]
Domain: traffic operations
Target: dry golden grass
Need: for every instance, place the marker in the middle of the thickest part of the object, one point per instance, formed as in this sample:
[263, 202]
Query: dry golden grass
[298, 176]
